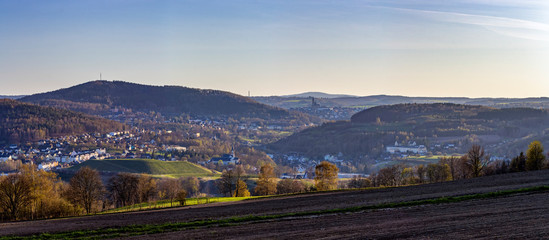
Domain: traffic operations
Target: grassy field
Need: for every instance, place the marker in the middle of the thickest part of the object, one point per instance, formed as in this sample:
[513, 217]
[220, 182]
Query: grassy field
[168, 204]
[414, 160]
[148, 166]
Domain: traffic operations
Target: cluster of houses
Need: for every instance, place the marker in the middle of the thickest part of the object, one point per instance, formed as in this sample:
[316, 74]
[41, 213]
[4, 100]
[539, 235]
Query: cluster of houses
[225, 159]
[412, 147]
[63, 151]
[303, 167]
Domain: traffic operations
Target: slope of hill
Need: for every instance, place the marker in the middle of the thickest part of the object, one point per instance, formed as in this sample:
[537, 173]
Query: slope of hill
[23, 122]
[148, 166]
[101, 97]
[371, 130]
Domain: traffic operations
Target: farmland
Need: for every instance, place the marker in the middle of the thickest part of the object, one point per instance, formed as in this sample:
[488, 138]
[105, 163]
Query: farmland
[325, 213]
[148, 166]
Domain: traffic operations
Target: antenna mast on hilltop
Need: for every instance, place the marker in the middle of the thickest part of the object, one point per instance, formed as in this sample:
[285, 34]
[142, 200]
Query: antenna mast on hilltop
[100, 77]
[248, 93]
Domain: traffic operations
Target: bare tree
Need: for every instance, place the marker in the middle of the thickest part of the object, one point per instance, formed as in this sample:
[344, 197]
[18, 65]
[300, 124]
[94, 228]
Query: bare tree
[123, 189]
[86, 188]
[191, 185]
[169, 188]
[227, 183]
[359, 182]
[476, 160]
[286, 186]
[454, 164]
[146, 188]
[438, 172]
[15, 194]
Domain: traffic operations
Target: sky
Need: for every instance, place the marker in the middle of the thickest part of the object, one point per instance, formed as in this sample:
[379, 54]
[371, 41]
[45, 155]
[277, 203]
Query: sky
[459, 48]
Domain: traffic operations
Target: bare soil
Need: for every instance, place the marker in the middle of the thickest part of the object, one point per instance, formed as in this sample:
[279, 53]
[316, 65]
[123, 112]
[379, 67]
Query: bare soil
[449, 219]
[514, 217]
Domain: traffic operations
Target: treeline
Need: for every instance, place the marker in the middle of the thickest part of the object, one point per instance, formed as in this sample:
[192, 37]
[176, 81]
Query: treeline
[404, 112]
[32, 194]
[473, 164]
[233, 181]
[23, 122]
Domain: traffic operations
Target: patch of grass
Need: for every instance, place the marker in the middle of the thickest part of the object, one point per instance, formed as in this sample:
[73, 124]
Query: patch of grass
[167, 204]
[134, 230]
[147, 166]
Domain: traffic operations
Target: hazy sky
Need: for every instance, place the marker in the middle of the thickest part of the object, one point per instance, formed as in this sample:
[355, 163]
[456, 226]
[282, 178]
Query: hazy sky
[416, 48]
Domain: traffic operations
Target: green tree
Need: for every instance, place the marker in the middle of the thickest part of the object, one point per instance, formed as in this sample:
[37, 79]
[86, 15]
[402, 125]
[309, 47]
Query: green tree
[518, 163]
[326, 176]
[535, 159]
[266, 184]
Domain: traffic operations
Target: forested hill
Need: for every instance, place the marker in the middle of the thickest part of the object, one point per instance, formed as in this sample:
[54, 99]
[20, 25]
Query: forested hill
[98, 97]
[507, 130]
[403, 112]
[22, 122]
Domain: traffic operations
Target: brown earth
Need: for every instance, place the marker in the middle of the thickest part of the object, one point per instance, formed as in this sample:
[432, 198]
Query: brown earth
[453, 217]
[514, 217]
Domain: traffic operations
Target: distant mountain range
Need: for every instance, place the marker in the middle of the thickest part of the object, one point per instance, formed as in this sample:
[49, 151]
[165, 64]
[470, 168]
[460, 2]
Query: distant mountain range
[365, 136]
[317, 95]
[302, 100]
[101, 97]
[23, 122]
[11, 96]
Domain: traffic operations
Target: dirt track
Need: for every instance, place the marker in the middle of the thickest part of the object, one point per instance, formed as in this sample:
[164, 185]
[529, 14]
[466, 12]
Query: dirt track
[307, 203]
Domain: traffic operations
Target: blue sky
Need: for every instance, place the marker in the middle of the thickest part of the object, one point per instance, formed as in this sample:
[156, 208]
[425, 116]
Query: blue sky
[415, 48]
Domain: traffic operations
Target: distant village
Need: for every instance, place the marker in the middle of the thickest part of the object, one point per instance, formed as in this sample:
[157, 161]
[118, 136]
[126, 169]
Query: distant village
[63, 152]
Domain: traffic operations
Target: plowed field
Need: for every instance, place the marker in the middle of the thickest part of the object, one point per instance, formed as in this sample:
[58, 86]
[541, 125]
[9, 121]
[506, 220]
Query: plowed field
[516, 216]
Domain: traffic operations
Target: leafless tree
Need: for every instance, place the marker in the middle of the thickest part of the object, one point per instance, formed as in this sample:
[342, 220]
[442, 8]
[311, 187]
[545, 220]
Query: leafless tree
[15, 194]
[86, 188]
[476, 160]
[123, 189]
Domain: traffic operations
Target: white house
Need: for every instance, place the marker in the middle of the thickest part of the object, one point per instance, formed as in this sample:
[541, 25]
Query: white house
[405, 149]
